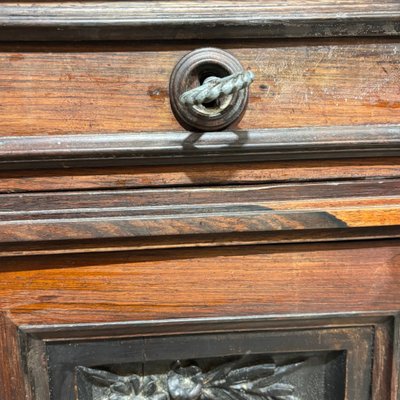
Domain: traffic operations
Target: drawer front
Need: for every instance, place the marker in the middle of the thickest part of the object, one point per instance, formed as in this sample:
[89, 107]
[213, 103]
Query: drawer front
[326, 88]
[108, 106]
[64, 89]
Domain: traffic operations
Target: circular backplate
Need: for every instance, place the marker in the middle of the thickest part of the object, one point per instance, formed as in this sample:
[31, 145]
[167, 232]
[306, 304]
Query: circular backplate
[190, 72]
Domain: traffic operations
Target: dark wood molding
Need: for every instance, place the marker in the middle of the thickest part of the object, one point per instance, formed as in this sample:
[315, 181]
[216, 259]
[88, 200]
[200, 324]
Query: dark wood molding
[117, 149]
[120, 220]
[178, 326]
[141, 20]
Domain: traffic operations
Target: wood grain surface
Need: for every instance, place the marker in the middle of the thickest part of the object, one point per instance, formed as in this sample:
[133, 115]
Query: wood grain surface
[197, 175]
[160, 218]
[266, 237]
[117, 20]
[285, 279]
[63, 89]
[12, 382]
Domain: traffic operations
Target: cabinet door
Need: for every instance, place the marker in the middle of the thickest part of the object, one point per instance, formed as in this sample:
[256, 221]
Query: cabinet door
[244, 358]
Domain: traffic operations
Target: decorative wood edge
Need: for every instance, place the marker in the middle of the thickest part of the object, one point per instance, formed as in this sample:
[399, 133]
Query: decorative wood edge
[116, 149]
[140, 20]
[180, 326]
[213, 222]
[94, 221]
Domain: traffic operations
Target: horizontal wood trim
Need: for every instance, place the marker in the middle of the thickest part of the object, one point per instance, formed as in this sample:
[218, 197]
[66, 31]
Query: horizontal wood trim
[202, 216]
[202, 242]
[216, 222]
[138, 20]
[129, 177]
[205, 325]
[186, 147]
[194, 283]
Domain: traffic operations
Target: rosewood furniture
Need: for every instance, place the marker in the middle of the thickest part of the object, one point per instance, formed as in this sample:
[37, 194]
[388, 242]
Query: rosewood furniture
[200, 200]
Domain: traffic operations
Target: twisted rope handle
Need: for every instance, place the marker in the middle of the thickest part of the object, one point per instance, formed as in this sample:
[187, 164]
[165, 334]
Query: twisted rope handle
[214, 88]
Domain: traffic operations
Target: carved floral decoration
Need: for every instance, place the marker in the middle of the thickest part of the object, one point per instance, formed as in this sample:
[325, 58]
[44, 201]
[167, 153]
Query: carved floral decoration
[229, 381]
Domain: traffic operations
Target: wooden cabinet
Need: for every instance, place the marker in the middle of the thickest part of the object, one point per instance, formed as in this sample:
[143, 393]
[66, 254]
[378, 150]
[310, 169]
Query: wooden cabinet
[141, 260]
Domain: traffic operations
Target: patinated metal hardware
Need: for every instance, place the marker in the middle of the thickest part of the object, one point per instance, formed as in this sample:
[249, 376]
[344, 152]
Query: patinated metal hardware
[209, 90]
[214, 88]
[232, 380]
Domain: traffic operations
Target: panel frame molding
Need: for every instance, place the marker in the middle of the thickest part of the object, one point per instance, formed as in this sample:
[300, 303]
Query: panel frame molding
[383, 326]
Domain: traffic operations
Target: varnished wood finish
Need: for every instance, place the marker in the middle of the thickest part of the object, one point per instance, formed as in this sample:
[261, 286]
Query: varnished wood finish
[191, 283]
[64, 89]
[127, 287]
[190, 147]
[117, 225]
[197, 175]
[197, 216]
[12, 381]
[118, 20]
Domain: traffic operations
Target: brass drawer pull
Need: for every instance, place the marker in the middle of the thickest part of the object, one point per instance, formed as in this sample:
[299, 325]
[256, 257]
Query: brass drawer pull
[209, 90]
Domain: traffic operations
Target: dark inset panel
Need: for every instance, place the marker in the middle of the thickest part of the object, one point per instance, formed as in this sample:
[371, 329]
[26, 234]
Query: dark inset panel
[310, 364]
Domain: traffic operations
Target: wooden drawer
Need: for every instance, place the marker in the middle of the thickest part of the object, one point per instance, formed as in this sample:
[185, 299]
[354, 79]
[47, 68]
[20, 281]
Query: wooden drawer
[107, 105]
[71, 89]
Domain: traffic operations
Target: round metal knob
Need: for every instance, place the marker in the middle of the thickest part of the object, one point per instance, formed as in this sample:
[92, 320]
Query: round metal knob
[209, 90]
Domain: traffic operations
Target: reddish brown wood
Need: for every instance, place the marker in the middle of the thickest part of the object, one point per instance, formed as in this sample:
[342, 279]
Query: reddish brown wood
[282, 239]
[193, 175]
[61, 89]
[12, 381]
[199, 216]
[257, 280]
[291, 279]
